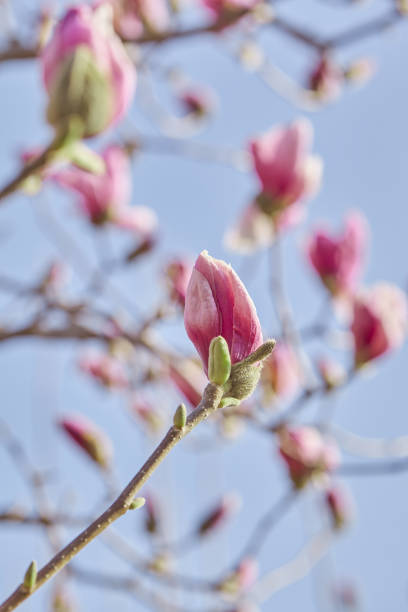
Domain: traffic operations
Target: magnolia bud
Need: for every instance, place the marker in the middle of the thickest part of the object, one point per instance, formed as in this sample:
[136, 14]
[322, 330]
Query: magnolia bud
[219, 361]
[137, 503]
[80, 89]
[30, 577]
[180, 417]
[245, 375]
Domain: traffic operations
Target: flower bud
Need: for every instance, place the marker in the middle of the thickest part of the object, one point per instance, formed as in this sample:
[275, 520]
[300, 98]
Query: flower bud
[87, 72]
[228, 505]
[138, 502]
[30, 577]
[339, 504]
[338, 259]
[180, 417]
[189, 379]
[380, 322]
[105, 369]
[306, 453]
[217, 304]
[219, 361]
[90, 438]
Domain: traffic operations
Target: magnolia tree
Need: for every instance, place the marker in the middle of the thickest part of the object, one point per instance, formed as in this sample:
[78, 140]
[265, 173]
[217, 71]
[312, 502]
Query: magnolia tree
[129, 306]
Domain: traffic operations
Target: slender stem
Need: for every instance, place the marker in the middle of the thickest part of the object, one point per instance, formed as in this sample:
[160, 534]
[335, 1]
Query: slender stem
[209, 404]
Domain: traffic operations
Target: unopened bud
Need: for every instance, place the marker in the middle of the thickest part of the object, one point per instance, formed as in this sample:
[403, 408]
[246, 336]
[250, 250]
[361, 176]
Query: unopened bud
[137, 503]
[30, 577]
[219, 361]
[245, 375]
[180, 417]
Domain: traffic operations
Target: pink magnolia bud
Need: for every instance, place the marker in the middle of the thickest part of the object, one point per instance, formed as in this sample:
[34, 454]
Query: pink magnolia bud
[281, 374]
[227, 507]
[326, 79]
[338, 259]
[134, 18]
[178, 273]
[286, 170]
[89, 437]
[380, 321]
[105, 197]
[86, 28]
[106, 369]
[189, 380]
[217, 304]
[144, 410]
[198, 101]
[339, 504]
[226, 8]
[307, 453]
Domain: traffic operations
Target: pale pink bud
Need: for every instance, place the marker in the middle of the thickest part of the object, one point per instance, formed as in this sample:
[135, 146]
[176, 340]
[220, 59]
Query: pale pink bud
[326, 79]
[281, 374]
[247, 573]
[360, 70]
[89, 437]
[105, 197]
[338, 259]
[178, 273]
[256, 229]
[286, 170]
[134, 18]
[307, 453]
[55, 278]
[380, 320]
[332, 373]
[105, 369]
[189, 380]
[91, 28]
[339, 504]
[227, 507]
[217, 304]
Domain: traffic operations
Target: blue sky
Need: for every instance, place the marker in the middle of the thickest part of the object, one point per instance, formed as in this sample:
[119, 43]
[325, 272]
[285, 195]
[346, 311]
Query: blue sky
[362, 139]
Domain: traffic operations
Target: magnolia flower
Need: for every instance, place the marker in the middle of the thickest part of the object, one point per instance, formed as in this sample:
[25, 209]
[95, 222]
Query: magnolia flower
[380, 320]
[338, 260]
[106, 369]
[89, 437]
[217, 304]
[87, 71]
[281, 375]
[326, 79]
[306, 453]
[105, 197]
[288, 176]
[178, 273]
[134, 18]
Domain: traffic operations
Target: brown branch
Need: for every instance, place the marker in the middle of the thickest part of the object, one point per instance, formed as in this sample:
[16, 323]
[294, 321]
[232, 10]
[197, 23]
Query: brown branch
[209, 404]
